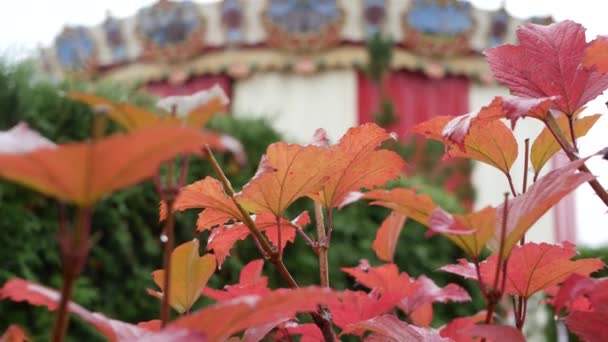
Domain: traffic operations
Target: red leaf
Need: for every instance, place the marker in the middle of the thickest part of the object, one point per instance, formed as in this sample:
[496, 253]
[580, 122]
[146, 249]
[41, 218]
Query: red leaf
[526, 209]
[358, 306]
[387, 236]
[596, 55]
[83, 173]
[207, 194]
[548, 62]
[496, 333]
[456, 330]
[14, 333]
[385, 278]
[223, 238]
[570, 293]
[591, 325]
[251, 282]
[463, 268]
[390, 328]
[534, 267]
[252, 311]
[428, 292]
[359, 164]
[22, 290]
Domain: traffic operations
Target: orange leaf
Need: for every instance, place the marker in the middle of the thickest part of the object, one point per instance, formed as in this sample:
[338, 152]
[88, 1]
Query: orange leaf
[189, 274]
[207, 194]
[220, 321]
[545, 145]
[359, 164]
[492, 142]
[405, 201]
[524, 210]
[387, 236]
[85, 172]
[534, 267]
[482, 223]
[223, 238]
[596, 55]
[286, 173]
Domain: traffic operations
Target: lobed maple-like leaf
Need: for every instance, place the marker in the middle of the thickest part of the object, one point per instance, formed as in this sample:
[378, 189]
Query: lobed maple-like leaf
[456, 330]
[387, 236]
[596, 55]
[534, 267]
[492, 143]
[22, 139]
[83, 173]
[390, 328]
[19, 290]
[251, 282]
[496, 333]
[524, 210]
[545, 146]
[573, 294]
[358, 306]
[416, 295]
[286, 173]
[470, 232]
[222, 320]
[189, 274]
[590, 324]
[208, 194]
[548, 62]
[223, 238]
[358, 163]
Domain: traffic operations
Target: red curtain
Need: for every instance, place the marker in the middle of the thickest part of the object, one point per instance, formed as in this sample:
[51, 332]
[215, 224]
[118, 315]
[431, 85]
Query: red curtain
[416, 98]
[164, 88]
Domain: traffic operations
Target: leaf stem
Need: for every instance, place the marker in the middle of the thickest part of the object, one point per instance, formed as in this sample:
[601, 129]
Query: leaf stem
[323, 246]
[572, 134]
[168, 231]
[496, 294]
[510, 179]
[557, 134]
[279, 237]
[524, 186]
[322, 319]
[74, 248]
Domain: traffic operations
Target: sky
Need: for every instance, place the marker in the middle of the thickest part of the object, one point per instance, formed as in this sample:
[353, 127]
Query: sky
[27, 24]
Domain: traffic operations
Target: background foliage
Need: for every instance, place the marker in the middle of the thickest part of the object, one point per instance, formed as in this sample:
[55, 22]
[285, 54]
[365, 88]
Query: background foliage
[126, 244]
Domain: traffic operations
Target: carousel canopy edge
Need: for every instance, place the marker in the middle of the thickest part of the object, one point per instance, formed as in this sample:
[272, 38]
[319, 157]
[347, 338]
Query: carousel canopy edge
[176, 39]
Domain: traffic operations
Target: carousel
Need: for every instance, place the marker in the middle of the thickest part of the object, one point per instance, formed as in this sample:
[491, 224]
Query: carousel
[305, 64]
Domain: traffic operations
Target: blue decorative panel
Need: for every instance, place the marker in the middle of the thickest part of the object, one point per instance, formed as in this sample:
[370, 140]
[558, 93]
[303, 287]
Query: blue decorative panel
[440, 17]
[169, 23]
[75, 48]
[112, 28]
[232, 17]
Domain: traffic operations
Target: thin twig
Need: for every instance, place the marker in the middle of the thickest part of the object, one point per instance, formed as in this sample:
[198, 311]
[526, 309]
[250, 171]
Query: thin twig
[524, 187]
[557, 134]
[572, 134]
[279, 237]
[168, 231]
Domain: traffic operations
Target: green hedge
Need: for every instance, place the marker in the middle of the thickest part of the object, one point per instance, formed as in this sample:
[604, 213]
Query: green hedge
[125, 227]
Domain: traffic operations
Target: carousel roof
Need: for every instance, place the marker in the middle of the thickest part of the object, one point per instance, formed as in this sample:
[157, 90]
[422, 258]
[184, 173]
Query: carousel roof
[176, 39]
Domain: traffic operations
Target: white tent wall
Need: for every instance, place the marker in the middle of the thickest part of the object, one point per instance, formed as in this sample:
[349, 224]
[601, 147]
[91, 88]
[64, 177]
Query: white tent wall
[297, 105]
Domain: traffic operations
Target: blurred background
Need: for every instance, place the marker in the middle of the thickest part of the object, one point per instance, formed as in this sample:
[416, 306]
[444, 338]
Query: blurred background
[289, 67]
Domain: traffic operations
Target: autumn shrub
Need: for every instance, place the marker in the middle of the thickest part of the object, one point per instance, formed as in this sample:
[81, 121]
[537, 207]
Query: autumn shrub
[126, 246]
